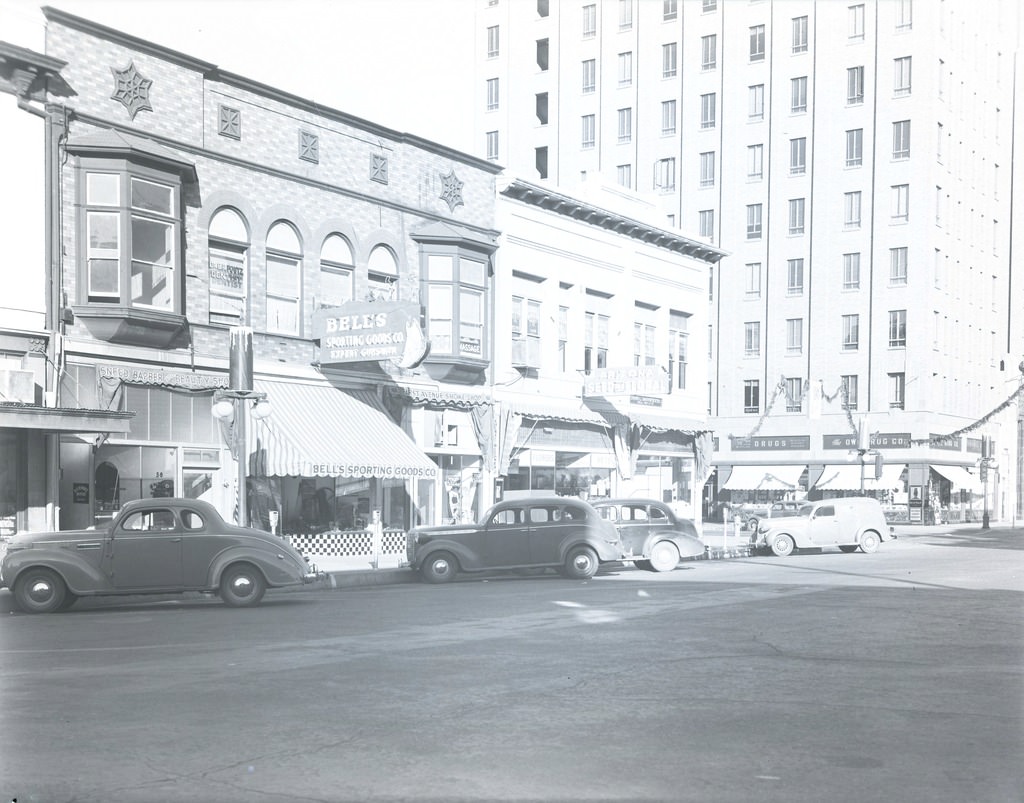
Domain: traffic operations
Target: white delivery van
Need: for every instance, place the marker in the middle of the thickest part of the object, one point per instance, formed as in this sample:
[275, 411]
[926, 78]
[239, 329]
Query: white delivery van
[849, 523]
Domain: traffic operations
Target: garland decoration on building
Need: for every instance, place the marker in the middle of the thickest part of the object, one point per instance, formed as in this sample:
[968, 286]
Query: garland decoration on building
[841, 392]
[941, 439]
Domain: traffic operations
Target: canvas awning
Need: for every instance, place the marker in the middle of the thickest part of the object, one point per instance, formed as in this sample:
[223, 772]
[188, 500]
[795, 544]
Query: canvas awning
[317, 430]
[763, 478]
[960, 477]
[64, 419]
[847, 477]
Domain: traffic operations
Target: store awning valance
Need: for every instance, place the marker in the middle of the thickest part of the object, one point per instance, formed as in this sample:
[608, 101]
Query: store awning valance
[64, 419]
[960, 478]
[764, 478]
[846, 477]
[316, 430]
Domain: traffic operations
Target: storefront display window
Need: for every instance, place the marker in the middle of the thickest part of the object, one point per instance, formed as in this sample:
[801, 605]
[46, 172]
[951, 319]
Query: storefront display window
[10, 461]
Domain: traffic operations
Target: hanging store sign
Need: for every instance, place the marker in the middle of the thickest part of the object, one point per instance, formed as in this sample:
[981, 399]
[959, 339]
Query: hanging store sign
[372, 330]
[641, 380]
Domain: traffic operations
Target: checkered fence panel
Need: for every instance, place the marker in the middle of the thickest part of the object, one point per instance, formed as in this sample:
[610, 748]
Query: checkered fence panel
[348, 543]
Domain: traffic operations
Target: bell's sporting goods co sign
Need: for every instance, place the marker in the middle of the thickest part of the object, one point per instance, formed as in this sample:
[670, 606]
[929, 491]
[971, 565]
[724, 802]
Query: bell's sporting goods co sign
[372, 330]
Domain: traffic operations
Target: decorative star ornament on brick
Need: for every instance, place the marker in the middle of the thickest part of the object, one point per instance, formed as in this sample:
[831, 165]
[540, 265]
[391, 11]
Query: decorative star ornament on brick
[452, 192]
[131, 89]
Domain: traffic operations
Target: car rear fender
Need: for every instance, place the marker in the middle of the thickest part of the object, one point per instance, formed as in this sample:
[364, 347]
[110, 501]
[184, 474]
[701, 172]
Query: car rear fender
[276, 571]
[80, 576]
[605, 551]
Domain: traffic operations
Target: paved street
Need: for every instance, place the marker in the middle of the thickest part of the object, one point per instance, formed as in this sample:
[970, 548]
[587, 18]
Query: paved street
[819, 677]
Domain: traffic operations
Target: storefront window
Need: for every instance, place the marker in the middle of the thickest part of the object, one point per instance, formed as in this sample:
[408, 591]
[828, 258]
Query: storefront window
[11, 463]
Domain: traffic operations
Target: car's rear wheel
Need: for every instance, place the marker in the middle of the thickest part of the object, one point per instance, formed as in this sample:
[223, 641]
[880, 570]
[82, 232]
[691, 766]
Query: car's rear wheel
[441, 567]
[40, 590]
[848, 548]
[664, 556]
[69, 600]
[242, 585]
[581, 563]
[869, 541]
[782, 545]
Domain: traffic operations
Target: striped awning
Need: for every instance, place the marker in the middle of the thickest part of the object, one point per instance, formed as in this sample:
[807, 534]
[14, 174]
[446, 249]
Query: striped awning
[316, 430]
[960, 477]
[764, 478]
[845, 477]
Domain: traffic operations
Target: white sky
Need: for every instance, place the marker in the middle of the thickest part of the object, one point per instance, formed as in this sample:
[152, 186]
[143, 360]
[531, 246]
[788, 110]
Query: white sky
[404, 64]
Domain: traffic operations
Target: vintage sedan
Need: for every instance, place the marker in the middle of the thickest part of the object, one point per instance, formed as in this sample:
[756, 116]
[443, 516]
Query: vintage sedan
[153, 546]
[653, 536]
[563, 533]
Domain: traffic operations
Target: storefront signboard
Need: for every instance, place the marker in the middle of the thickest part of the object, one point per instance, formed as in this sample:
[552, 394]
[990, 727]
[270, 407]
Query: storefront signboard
[949, 444]
[765, 443]
[641, 380]
[157, 376]
[879, 440]
[362, 331]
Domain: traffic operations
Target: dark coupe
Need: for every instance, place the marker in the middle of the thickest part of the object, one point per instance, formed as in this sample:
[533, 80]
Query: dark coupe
[153, 546]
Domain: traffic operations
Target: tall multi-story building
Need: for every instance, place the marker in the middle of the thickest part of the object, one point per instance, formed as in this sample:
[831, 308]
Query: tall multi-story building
[854, 159]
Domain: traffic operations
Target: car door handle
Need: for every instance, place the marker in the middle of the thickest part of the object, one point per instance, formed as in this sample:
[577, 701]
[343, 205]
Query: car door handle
[89, 545]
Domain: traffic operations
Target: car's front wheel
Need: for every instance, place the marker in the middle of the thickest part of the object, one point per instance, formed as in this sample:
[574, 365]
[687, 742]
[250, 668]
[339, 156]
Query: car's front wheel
[643, 564]
[581, 563]
[441, 567]
[847, 548]
[869, 541]
[40, 590]
[242, 585]
[782, 545]
[664, 556]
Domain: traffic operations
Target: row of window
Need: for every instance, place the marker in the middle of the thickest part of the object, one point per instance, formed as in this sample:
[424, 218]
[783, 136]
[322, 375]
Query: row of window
[131, 223]
[755, 92]
[670, 11]
[527, 338]
[794, 388]
[850, 333]
[898, 261]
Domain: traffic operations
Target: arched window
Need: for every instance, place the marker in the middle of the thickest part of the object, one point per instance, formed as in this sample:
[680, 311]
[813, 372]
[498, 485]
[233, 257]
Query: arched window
[229, 253]
[382, 274]
[284, 279]
[337, 268]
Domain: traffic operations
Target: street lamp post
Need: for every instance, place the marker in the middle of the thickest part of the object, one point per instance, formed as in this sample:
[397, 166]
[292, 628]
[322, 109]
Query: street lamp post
[229, 406]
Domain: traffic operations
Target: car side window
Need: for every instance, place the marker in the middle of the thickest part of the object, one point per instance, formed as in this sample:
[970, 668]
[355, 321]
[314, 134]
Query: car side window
[150, 521]
[510, 516]
[636, 514]
[658, 515]
[825, 510]
[608, 512]
[542, 515]
[573, 514]
[192, 520]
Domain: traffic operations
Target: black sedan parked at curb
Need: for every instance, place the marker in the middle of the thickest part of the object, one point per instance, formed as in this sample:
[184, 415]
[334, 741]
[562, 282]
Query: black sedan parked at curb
[558, 532]
[153, 546]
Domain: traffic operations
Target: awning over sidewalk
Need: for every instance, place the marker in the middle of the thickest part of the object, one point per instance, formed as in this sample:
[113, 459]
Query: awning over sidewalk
[763, 478]
[316, 430]
[846, 477]
[64, 419]
[960, 477]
